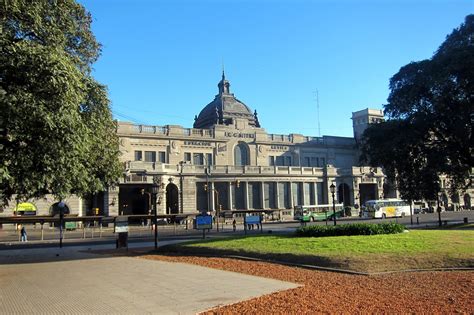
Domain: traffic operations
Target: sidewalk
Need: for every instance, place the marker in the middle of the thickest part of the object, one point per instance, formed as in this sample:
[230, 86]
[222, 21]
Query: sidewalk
[74, 281]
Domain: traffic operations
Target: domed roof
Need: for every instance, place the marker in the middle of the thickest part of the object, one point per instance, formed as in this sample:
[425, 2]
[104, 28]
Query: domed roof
[224, 109]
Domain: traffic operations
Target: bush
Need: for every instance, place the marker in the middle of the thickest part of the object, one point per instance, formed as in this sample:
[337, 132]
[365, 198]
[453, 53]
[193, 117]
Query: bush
[350, 229]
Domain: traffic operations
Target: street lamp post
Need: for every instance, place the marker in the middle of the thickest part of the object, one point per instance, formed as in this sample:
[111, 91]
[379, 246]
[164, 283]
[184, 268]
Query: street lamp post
[333, 191]
[215, 193]
[207, 184]
[155, 188]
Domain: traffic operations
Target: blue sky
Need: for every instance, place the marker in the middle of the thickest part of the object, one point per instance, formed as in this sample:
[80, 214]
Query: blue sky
[162, 60]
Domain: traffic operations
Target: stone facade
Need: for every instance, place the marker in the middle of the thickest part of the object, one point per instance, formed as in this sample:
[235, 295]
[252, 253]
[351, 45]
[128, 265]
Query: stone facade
[229, 162]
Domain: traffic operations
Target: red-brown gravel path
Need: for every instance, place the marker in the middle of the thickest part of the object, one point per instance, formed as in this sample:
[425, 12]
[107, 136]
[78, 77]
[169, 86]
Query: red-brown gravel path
[329, 292]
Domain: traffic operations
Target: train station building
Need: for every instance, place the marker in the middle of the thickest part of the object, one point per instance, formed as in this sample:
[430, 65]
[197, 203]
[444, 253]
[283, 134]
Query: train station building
[229, 162]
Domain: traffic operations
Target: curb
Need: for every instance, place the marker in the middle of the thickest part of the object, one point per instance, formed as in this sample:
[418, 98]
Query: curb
[338, 270]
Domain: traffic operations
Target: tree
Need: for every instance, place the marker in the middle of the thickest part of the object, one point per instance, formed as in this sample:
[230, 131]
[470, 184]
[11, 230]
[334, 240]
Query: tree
[57, 131]
[399, 148]
[430, 117]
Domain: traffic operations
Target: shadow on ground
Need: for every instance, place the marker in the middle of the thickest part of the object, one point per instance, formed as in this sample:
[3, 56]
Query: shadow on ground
[284, 258]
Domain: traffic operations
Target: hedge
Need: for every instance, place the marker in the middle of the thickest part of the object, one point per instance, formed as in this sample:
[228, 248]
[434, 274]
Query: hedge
[350, 229]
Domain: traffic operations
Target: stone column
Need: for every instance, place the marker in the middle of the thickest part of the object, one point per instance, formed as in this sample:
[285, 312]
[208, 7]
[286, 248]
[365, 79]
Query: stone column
[246, 195]
[292, 202]
[315, 190]
[262, 194]
[229, 193]
[277, 193]
[306, 197]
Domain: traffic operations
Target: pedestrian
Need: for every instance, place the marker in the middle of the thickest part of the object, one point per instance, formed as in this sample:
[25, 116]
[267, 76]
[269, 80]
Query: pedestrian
[24, 237]
[234, 225]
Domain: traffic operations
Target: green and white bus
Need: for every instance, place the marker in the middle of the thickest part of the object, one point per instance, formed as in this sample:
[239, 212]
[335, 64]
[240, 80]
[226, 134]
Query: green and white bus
[386, 208]
[312, 213]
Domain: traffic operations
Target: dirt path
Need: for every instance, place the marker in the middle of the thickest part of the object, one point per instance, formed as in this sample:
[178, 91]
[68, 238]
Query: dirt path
[329, 292]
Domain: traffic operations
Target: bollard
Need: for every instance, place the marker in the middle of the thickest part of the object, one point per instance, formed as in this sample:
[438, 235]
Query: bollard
[466, 220]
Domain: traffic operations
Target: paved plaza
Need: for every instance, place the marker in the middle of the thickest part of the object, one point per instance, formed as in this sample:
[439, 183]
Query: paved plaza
[73, 280]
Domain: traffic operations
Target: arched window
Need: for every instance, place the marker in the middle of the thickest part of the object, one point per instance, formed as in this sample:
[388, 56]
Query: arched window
[241, 155]
[172, 199]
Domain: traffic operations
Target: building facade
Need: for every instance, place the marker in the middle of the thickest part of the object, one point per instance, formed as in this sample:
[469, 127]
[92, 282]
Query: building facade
[227, 161]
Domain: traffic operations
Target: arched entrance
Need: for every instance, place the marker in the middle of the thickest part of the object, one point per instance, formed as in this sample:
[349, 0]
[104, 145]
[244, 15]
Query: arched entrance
[241, 154]
[467, 202]
[55, 209]
[344, 194]
[172, 199]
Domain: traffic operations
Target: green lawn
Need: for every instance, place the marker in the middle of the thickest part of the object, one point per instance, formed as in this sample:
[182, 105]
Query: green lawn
[415, 249]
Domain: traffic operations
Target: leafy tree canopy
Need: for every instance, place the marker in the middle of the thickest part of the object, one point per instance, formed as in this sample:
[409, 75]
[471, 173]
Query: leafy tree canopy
[430, 117]
[57, 132]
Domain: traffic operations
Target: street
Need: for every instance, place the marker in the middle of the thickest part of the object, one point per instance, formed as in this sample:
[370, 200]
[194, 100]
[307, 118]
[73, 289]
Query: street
[10, 236]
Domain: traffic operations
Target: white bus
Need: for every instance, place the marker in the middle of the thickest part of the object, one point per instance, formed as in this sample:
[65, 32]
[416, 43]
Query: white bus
[386, 208]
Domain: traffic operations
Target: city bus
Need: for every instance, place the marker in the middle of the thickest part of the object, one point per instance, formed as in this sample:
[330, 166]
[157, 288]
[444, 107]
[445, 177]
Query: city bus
[317, 212]
[386, 208]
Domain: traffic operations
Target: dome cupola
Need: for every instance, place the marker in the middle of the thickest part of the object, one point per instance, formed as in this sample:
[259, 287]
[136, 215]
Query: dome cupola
[225, 109]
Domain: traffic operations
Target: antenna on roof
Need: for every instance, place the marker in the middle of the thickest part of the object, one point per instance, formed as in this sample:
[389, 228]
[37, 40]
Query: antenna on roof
[317, 111]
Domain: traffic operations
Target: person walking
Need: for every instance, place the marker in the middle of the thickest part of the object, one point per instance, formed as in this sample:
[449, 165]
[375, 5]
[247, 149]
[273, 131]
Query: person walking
[234, 225]
[24, 236]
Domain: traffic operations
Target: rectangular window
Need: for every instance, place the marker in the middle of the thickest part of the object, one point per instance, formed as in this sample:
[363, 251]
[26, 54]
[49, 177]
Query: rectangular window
[307, 161]
[319, 193]
[284, 195]
[238, 196]
[162, 157]
[280, 161]
[314, 161]
[323, 162]
[312, 197]
[271, 161]
[288, 161]
[270, 195]
[201, 197]
[254, 195]
[187, 157]
[150, 156]
[138, 155]
[198, 159]
[221, 195]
